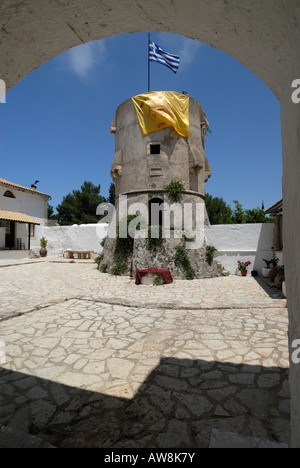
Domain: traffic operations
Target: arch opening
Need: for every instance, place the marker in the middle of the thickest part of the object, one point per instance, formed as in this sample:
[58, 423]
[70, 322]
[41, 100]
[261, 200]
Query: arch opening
[243, 31]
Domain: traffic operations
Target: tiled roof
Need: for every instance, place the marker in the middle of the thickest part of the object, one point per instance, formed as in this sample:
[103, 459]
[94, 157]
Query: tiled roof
[21, 187]
[17, 217]
[275, 208]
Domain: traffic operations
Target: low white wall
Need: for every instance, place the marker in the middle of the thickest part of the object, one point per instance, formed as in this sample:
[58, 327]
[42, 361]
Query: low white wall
[233, 242]
[242, 242]
[80, 237]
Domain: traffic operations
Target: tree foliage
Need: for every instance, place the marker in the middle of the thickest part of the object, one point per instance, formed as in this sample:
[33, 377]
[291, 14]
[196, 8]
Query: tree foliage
[256, 215]
[79, 207]
[238, 215]
[217, 210]
[221, 213]
[112, 194]
[50, 212]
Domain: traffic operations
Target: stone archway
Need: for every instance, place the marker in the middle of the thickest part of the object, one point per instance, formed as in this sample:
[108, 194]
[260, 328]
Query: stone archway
[264, 36]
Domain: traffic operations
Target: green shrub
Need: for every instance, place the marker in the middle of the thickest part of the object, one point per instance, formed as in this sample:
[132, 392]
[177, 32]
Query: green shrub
[99, 259]
[175, 190]
[103, 241]
[188, 239]
[210, 250]
[158, 280]
[43, 243]
[119, 268]
[181, 258]
[104, 267]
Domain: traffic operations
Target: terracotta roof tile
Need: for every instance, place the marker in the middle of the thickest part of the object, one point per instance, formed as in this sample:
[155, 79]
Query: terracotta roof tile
[17, 217]
[21, 187]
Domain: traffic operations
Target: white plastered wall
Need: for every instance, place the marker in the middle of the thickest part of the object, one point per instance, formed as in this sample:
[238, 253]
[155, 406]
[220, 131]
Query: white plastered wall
[76, 237]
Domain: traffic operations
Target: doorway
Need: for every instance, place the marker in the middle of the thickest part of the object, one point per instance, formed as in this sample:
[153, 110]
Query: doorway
[10, 235]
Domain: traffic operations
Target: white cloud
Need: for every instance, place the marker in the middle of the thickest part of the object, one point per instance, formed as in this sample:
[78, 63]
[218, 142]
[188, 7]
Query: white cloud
[188, 50]
[84, 58]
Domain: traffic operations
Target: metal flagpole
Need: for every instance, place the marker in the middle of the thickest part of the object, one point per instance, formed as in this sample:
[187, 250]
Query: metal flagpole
[148, 63]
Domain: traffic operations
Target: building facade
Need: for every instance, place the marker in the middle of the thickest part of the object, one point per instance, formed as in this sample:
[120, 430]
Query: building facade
[23, 213]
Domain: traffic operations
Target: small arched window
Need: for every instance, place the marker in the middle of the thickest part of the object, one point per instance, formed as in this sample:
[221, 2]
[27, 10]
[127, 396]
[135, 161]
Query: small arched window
[9, 194]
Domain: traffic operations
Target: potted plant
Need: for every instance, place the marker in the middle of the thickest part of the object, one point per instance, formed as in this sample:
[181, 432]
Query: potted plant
[242, 266]
[266, 269]
[274, 270]
[43, 244]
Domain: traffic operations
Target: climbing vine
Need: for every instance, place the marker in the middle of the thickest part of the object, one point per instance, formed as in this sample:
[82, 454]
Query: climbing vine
[181, 258]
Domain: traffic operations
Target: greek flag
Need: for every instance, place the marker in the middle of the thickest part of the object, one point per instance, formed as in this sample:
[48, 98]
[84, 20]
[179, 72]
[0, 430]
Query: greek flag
[157, 54]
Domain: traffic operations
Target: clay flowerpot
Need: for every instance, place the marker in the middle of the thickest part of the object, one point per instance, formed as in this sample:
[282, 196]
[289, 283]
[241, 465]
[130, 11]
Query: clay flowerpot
[283, 288]
[278, 280]
[148, 279]
[273, 273]
[244, 272]
[43, 252]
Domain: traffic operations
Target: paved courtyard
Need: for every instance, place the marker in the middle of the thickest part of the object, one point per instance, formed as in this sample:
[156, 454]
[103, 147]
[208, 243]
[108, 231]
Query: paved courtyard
[93, 360]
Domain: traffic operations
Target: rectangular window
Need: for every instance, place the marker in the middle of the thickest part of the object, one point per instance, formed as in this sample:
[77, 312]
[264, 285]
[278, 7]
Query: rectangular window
[155, 171]
[32, 230]
[155, 148]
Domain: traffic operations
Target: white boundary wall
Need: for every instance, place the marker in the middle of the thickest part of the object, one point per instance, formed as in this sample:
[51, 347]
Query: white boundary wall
[233, 241]
[76, 237]
[242, 242]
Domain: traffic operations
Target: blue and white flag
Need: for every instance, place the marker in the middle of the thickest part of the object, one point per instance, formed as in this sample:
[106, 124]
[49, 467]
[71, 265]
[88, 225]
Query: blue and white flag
[157, 54]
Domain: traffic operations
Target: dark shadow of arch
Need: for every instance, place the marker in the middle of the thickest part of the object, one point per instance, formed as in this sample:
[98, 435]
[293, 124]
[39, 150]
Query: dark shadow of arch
[180, 404]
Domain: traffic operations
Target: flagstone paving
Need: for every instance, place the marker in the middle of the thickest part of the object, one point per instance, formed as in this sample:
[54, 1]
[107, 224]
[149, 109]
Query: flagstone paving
[96, 361]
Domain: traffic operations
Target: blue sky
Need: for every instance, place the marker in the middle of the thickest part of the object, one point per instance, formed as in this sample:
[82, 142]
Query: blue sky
[55, 124]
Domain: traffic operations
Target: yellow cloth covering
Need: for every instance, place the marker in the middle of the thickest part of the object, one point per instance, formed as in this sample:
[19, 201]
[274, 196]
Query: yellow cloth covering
[160, 109]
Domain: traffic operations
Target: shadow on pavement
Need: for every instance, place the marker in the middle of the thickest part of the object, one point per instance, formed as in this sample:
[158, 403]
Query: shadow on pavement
[179, 405]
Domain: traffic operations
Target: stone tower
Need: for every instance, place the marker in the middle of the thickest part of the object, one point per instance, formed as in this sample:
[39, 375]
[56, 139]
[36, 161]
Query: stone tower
[144, 165]
[159, 139]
